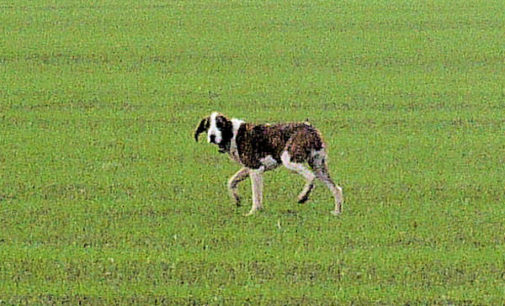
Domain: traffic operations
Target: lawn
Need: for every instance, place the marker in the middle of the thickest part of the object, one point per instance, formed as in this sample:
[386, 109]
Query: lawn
[105, 198]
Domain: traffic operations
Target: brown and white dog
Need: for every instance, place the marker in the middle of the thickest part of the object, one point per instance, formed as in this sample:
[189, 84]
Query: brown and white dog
[262, 147]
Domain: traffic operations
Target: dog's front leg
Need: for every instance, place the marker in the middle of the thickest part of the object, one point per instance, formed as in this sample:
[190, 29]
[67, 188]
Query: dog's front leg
[238, 177]
[257, 189]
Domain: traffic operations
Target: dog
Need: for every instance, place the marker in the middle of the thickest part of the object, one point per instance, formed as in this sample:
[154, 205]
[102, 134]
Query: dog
[262, 147]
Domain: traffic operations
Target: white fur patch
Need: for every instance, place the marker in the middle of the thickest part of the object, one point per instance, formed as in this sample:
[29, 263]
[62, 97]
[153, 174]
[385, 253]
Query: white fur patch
[236, 123]
[213, 130]
[300, 168]
[269, 162]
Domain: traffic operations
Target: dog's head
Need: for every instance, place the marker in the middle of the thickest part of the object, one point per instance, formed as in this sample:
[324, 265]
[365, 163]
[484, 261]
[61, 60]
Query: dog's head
[219, 131]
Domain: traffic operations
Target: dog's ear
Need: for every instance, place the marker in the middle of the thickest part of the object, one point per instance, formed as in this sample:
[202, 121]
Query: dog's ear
[202, 127]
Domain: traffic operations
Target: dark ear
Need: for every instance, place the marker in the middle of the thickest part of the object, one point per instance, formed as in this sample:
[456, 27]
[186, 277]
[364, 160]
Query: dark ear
[202, 127]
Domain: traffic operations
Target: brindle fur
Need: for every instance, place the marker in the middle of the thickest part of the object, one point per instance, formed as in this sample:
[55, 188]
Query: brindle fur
[255, 142]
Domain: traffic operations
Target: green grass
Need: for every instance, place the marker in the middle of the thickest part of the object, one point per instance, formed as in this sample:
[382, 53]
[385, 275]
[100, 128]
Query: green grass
[105, 197]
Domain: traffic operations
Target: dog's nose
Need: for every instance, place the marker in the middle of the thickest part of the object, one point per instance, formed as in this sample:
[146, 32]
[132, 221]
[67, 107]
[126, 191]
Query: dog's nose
[213, 138]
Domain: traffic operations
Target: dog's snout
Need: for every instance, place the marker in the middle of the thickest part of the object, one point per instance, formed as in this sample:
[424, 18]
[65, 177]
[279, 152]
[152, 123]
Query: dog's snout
[212, 138]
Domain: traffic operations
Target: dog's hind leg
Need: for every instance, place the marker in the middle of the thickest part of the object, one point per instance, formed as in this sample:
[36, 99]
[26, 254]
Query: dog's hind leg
[302, 170]
[233, 182]
[318, 163]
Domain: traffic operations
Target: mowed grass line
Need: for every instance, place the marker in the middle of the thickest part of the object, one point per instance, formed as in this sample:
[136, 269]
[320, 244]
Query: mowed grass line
[105, 197]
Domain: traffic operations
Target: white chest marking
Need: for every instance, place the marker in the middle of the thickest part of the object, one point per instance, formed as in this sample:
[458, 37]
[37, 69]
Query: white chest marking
[233, 144]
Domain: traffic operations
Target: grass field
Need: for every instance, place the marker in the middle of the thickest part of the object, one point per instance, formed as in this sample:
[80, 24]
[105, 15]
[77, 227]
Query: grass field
[106, 198]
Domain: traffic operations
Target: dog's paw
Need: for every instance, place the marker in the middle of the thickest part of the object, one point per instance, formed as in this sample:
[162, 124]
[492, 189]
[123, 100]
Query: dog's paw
[251, 212]
[336, 213]
[302, 200]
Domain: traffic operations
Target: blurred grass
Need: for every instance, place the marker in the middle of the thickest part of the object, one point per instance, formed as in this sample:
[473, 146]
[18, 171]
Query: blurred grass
[105, 198]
